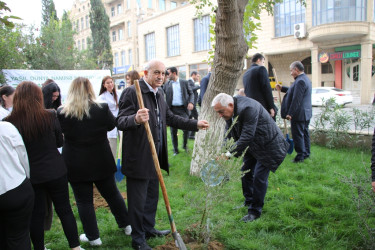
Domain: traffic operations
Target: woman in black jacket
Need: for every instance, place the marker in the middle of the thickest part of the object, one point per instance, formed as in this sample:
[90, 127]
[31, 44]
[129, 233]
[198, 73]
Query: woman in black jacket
[88, 157]
[42, 135]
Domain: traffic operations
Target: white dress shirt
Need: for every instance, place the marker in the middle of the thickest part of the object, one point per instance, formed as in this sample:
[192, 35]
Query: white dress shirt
[108, 98]
[14, 163]
[3, 113]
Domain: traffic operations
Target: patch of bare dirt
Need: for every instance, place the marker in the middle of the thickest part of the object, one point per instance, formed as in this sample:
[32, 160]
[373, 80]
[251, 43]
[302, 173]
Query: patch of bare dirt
[99, 200]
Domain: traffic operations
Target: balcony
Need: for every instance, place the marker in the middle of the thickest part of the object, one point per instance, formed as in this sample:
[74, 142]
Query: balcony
[338, 31]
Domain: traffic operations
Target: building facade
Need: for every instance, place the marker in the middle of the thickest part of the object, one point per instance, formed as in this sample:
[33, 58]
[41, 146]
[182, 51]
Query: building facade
[333, 39]
[124, 17]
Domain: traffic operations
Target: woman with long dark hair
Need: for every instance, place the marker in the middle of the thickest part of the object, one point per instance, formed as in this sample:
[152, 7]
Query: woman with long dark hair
[6, 101]
[109, 95]
[42, 135]
[51, 95]
[87, 154]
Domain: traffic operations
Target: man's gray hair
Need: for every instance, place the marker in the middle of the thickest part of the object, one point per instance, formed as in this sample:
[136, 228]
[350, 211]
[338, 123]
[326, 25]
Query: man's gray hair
[223, 99]
[151, 63]
[298, 65]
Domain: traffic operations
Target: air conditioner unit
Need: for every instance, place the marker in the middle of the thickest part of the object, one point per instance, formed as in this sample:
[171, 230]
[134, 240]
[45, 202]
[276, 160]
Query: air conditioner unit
[299, 30]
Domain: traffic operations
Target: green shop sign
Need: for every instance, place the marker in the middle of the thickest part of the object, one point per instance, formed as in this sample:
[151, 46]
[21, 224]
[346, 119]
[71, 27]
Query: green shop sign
[344, 55]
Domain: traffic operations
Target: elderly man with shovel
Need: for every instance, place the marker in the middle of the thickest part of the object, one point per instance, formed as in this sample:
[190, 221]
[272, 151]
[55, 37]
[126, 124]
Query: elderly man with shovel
[256, 132]
[139, 166]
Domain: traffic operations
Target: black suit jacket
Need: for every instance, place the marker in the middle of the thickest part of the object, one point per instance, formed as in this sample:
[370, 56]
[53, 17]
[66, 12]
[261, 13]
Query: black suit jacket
[186, 93]
[297, 101]
[137, 160]
[257, 86]
[86, 148]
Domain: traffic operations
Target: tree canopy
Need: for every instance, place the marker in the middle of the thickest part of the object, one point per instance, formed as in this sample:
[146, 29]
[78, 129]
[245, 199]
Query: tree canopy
[100, 27]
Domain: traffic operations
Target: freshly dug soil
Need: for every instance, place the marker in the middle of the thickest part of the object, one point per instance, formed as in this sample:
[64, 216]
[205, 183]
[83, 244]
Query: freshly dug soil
[190, 242]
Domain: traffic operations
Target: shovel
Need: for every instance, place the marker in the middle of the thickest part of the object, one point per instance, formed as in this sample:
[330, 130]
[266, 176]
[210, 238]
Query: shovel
[177, 237]
[118, 175]
[288, 140]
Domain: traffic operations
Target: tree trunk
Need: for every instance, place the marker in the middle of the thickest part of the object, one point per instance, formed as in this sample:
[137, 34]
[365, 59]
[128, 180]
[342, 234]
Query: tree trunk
[230, 52]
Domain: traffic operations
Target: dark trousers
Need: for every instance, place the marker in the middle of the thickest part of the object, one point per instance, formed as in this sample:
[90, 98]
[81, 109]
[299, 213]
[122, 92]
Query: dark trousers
[83, 193]
[143, 197]
[16, 207]
[180, 111]
[193, 115]
[254, 184]
[301, 138]
[59, 192]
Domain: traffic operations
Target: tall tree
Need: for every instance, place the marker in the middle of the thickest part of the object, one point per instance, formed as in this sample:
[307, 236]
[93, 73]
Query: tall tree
[54, 49]
[48, 12]
[235, 20]
[99, 24]
[12, 42]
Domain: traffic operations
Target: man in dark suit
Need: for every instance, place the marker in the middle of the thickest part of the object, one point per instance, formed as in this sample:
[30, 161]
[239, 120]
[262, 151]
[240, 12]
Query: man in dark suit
[194, 77]
[256, 132]
[141, 178]
[180, 99]
[297, 108]
[257, 84]
[204, 85]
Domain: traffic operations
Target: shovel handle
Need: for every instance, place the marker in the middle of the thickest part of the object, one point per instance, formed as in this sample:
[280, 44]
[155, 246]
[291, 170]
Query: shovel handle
[278, 92]
[155, 158]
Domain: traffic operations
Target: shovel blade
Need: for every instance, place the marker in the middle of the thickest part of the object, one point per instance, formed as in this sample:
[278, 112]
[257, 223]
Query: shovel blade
[291, 144]
[178, 241]
[118, 175]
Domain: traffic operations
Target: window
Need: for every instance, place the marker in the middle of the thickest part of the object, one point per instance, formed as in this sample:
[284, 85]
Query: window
[202, 69]
[83, 44]
[129, 24]
[173, 40]
[116, 60]
[327, 68]
[202, 33]
[128, 4]
[120, 34]
[182, 72]
[82, 24]
[150, 46]
[130, 57]
[88, 42]
[79, 45]
[173, 5]
[112, 11]
[150, 4]
[87, 22]
[123, 62]
[119, 9]
[77, 25]
[113, 36]
[288, 13]
[162, 5]
[307, 65]
[330, 11]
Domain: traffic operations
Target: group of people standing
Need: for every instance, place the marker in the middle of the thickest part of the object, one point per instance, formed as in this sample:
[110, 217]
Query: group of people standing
[87, 130]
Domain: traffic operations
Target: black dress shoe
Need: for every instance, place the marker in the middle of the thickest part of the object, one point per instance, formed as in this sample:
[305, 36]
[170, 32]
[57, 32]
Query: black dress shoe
[156, 233]
[142, 246]
[249, 218]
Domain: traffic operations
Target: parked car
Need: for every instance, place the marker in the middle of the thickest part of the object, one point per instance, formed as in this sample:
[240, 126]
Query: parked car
[320, 95]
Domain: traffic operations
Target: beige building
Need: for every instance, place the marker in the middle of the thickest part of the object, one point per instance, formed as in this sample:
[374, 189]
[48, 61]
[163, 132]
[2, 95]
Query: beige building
[333, 39]
[178, 38]
[124, 17]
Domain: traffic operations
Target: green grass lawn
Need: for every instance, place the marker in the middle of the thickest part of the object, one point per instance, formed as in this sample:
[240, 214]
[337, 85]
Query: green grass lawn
[306, 207]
